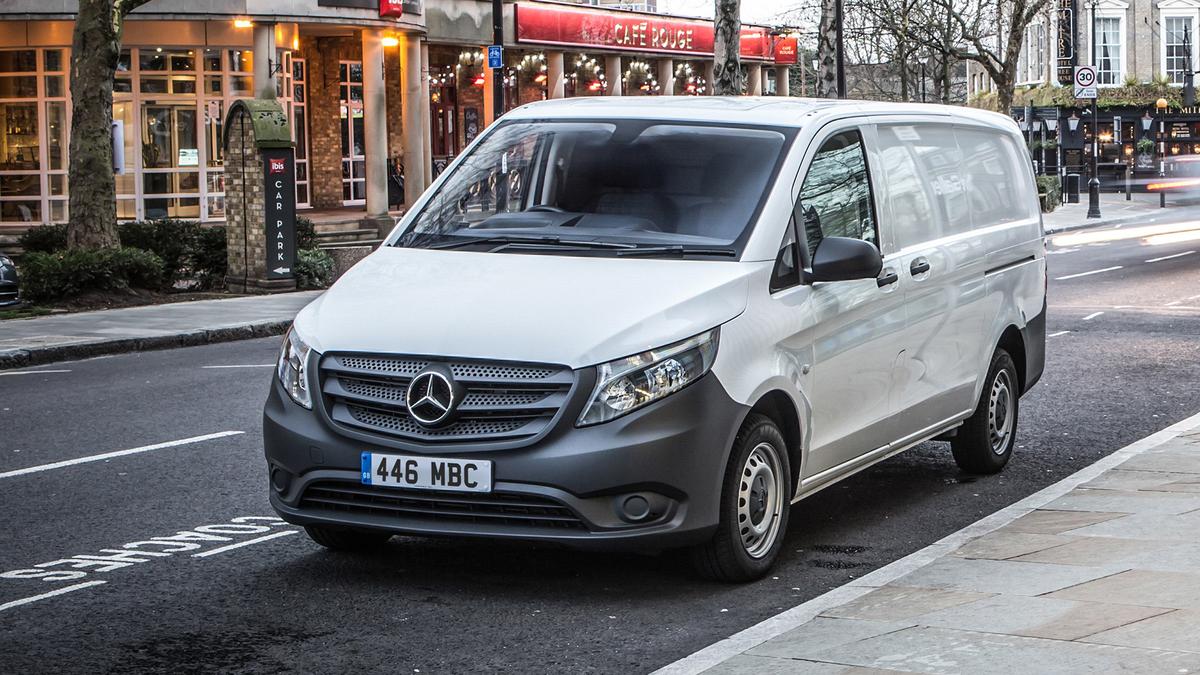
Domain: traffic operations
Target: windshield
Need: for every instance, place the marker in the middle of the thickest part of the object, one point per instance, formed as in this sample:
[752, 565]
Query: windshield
[604, 187]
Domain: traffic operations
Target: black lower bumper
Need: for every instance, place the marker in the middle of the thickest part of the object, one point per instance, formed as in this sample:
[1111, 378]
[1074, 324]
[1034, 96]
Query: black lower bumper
[578, 486]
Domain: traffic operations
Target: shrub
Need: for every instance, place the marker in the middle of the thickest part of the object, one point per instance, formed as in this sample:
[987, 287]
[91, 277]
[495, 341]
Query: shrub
[1145, 146]
[44, 239]
[55, 276]
[171, 240]
[314, 268]
[306, 233]
[208, 259]
[1050, 189]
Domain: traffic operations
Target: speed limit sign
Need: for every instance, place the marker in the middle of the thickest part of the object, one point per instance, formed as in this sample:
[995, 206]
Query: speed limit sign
[1085, 82]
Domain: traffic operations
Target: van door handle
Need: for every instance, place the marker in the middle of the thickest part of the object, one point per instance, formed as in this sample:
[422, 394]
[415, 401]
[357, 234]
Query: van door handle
[889, 277]
[918, 266]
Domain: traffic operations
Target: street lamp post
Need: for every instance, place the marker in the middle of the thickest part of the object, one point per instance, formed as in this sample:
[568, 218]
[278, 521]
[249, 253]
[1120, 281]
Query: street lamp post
[1073, 126]
[1161, 106]
[1094, 183]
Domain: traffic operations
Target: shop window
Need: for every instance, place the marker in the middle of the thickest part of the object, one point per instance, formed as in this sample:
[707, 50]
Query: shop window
[18, 61]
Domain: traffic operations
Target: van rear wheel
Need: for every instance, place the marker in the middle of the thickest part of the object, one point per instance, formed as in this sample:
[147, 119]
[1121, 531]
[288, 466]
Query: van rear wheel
[756, 497]
[345, 538]
[984, 442]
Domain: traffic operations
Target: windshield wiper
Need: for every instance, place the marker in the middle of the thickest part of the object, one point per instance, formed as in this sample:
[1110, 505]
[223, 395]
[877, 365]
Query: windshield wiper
[679, 249]
[558, 243]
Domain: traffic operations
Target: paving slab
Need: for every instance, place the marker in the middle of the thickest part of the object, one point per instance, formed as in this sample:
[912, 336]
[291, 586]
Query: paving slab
[1048, 521]
[1150, 526]
[823, 632]
[1173, 631]
[1004, 576]
[1050, 618]
[1146, 588]
[1121, 501]
[745, 664]
[1002, 545]
[900, 603]
[943, 650]
[1173, 462]
[1129, 553]
[1120, 479]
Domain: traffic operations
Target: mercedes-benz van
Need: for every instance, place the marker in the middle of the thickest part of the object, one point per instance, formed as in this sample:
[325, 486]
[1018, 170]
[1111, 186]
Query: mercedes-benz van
[657, 322]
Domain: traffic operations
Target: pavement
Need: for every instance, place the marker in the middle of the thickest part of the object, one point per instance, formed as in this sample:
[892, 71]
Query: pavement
[1114, 210]
[25, 342]
[1096, 573]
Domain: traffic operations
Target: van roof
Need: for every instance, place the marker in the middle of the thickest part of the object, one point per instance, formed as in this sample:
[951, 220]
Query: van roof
[765, 110]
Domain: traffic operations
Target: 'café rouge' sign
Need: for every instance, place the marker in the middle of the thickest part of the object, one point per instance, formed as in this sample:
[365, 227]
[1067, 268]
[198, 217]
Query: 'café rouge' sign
[571, 27]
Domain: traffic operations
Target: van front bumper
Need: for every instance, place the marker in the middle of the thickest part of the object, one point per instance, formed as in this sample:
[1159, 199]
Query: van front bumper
[584, 487]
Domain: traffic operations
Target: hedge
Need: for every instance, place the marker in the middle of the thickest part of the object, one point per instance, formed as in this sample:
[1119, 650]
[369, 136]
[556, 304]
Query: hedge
[65, 274]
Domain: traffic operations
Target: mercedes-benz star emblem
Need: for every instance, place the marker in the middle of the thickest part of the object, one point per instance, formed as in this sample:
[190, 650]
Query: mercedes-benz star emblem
[430, 398]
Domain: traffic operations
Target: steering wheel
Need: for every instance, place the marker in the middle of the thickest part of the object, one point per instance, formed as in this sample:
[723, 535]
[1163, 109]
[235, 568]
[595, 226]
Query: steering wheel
[545, 208]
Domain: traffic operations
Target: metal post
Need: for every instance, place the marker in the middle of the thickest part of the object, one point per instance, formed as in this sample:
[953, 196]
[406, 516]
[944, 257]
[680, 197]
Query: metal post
[1162, 156]
[498, 73]
[922, 81]
[841, 49]
[1094, 183]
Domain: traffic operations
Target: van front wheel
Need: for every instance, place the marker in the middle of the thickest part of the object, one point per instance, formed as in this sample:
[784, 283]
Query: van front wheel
[984, 442]
[755, 501]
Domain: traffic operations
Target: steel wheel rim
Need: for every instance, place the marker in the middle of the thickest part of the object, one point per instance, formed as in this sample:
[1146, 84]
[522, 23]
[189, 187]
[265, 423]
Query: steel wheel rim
[760, 500]
[1000, 412]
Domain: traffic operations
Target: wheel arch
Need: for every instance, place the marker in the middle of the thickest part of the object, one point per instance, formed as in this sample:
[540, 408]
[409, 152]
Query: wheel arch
[1013, 342]
[777, 405]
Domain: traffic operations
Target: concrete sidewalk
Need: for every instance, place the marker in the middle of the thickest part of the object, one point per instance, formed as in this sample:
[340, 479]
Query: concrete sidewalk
[1114, 210]
[25, 342]
[1099, 573]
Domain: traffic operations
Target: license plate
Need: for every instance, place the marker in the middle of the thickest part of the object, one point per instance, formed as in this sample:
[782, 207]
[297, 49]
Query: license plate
[426, 473]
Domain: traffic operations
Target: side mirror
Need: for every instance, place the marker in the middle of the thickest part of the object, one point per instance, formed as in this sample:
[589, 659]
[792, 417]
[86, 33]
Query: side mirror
[845, 259]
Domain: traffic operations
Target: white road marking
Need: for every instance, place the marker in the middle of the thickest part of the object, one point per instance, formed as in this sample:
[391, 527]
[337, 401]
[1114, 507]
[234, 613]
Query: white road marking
[242, 365]
[799, 615]
[1172, 304]
[1091, 316]
[1061, 332]
[230, 547]
[118, 453]
[51, 594]
[32, 372]
[1168, 257]
[1084, 274]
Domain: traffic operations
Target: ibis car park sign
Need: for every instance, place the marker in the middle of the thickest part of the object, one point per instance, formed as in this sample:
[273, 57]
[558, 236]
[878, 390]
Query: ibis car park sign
[566, 26]
[279, 207]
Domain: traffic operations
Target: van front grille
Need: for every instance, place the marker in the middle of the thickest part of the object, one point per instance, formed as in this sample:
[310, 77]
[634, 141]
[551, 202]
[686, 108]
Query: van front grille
[494, 508]
[501, 401]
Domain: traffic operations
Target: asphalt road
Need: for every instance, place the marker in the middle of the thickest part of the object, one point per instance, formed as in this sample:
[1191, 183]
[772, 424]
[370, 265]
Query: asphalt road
[230, 592]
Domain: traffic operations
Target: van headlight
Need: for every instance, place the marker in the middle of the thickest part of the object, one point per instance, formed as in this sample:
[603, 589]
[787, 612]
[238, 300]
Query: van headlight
[627, 384]
[292, 368]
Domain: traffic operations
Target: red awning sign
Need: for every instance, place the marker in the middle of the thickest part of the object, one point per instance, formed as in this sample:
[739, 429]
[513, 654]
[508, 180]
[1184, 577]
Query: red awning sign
[629, 31]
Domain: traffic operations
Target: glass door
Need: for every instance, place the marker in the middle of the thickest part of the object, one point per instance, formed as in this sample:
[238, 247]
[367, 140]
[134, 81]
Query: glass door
[354, 179]
[170, 160]
[300, 129]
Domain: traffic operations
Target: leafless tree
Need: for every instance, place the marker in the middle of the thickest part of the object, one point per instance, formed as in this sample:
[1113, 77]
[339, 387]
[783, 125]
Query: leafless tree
[727, 62]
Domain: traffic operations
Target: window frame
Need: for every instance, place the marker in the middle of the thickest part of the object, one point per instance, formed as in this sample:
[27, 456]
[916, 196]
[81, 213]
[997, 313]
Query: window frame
[1118, 77]
[1189, 14]
[865, 129]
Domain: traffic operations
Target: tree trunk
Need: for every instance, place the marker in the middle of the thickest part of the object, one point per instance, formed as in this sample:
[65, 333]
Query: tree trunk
[727, 42]
[827, 51]
[94, 52]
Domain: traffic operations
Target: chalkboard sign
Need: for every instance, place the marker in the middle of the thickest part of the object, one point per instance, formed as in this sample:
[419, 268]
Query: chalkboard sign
[470, 123]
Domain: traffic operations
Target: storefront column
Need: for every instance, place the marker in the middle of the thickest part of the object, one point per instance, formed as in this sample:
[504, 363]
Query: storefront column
[554, 74]
[374, 122]
[754, 79]
[708, 77]
[613, 73]
[264, 59]
[766, 80]
[426, 119]
[782, 81]
[666, 77]
[410, 113]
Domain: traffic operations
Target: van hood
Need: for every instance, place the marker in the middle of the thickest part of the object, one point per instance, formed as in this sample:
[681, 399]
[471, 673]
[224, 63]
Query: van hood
[571, 310]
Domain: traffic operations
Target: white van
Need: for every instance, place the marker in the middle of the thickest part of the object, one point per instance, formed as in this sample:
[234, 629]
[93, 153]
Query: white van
[657, 322]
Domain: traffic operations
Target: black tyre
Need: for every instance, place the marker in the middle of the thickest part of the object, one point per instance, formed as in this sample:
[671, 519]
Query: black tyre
[756, 498]
[345, 538]
[985, 442]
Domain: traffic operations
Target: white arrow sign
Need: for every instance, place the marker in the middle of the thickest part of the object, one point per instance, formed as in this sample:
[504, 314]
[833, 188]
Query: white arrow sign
[282, 270]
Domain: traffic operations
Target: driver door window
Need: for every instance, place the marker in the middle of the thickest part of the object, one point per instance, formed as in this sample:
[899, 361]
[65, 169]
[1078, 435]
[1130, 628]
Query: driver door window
[835, 198]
